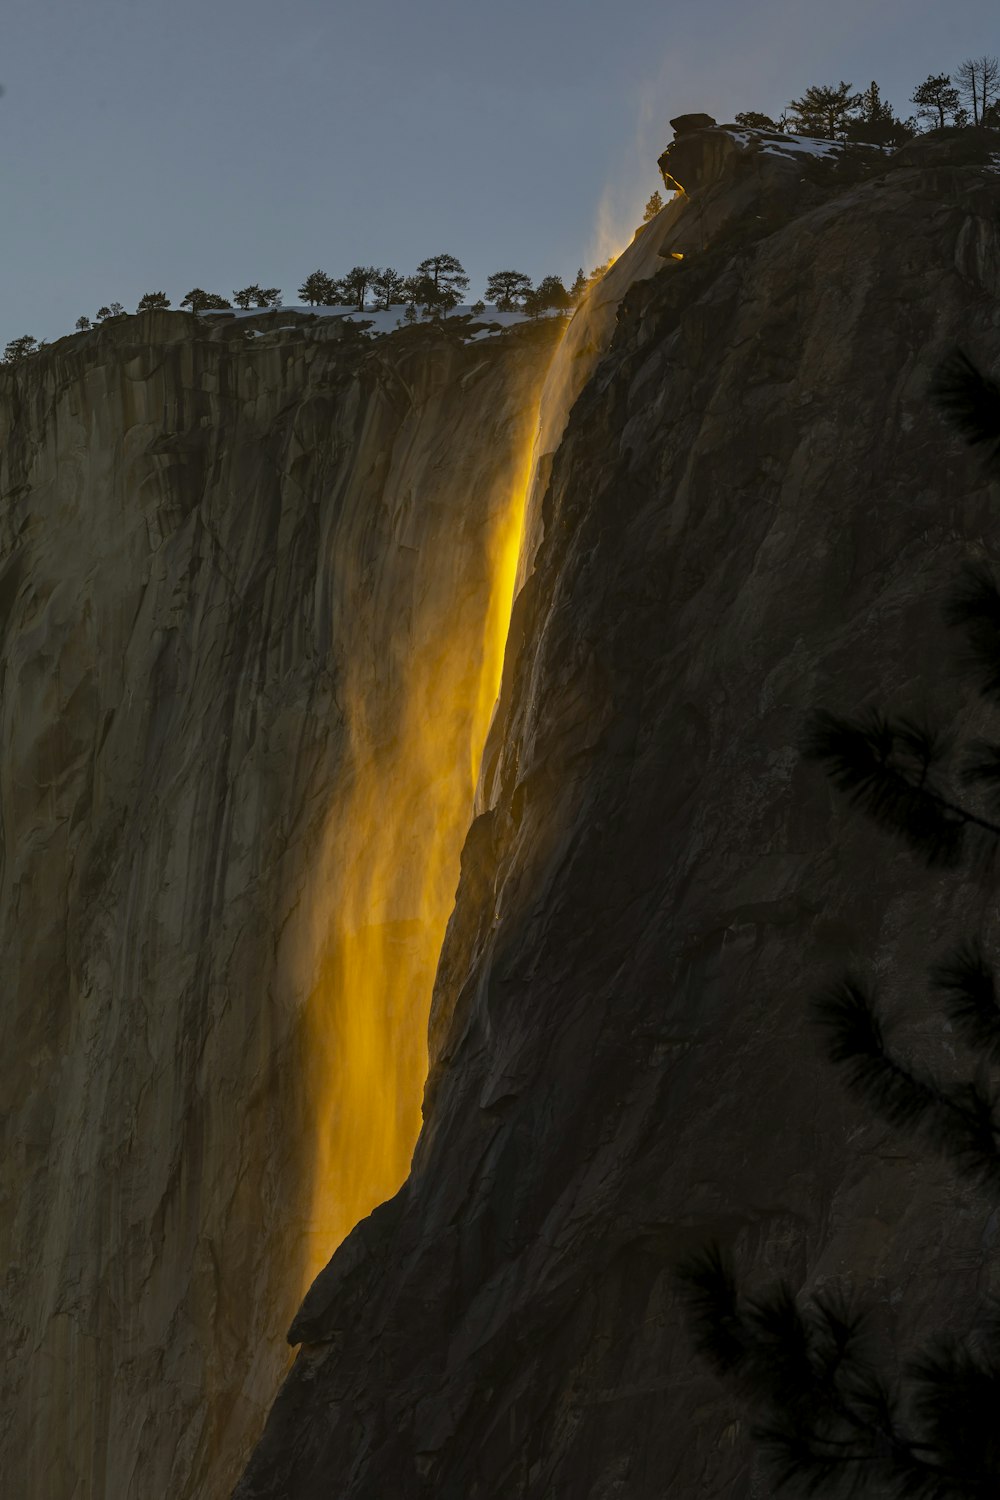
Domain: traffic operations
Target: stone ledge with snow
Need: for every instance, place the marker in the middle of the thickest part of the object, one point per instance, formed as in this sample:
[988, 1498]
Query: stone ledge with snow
[374, 322]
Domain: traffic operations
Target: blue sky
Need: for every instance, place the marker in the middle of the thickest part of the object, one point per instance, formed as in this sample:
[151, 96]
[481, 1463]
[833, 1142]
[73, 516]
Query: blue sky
[157, 146]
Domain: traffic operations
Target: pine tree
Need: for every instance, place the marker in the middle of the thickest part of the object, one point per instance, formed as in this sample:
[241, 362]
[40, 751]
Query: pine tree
[505, 289]
[580, 284]
[19, 349]
[319, 289]
[936, 97]
[354, 286]
[389, 288]
[752, 119]
[104, 314]
[201, 301]
[824, 110]
[257, 296]
[448, 278]
[82, 324]
[876, 124]
[420, 291]
[653, 206]
[153, 302]
[551, 293]
[834, 1420]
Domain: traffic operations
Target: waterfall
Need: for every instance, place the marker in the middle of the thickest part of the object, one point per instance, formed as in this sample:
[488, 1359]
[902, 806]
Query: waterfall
[410, 796]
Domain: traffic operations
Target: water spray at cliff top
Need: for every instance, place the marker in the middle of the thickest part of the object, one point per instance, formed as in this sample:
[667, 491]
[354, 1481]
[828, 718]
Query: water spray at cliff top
[399, 828]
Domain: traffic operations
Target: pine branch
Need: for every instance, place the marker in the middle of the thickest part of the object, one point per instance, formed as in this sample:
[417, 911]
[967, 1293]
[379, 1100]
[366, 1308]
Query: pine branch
[841, 1336]
[829, 1422]
[782, 1349]
[960, 1120]
[709, 1288]
[827, 1419]
[974, 607]
[968, 1130]
[857, 1045]
[966, 982]
[813, 1465]
[982, 768]
[955, 1403]
[886, 768]
[970, 402]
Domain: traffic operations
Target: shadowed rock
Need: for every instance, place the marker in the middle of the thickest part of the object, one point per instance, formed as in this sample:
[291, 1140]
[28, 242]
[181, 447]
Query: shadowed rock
[752, 512]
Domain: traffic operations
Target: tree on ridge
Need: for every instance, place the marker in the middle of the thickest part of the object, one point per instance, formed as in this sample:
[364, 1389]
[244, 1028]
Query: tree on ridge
[936, 97]
[549, 295]
[19, 349]
[824, 110]
[319, 289]
[201, 301]
[420, 291]
[389, 287]
[876, 123]
[752, 119]
[447, 276]
[505, 289]
[153, 302]
[653, 206]
[257, 296]
[354, 286]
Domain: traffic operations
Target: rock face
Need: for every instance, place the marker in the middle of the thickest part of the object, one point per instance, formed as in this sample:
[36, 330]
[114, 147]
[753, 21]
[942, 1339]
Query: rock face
[751, 512]
[206, 544]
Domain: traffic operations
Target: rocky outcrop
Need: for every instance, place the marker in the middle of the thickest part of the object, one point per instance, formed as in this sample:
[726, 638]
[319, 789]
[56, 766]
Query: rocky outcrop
[702, 152]
[206, 544]
[751, 512]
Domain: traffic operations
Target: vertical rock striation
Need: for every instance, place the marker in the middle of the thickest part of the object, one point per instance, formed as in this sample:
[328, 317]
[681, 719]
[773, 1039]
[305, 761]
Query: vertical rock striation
[203, 540]
[751, 512]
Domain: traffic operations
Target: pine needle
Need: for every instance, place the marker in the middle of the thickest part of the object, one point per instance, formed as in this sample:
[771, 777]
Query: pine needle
[968, 987]
[974, 607]
[970, 403]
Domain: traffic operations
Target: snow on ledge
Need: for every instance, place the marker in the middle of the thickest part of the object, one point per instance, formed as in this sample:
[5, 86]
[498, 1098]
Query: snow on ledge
[377, 321]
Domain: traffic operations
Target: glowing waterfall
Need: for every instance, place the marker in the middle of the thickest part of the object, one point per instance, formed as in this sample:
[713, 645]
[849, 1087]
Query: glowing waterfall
[397, 837]
[401, 825]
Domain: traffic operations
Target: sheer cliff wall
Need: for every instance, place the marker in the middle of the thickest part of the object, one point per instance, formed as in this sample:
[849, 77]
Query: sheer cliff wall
[752, 512]
[206, 542]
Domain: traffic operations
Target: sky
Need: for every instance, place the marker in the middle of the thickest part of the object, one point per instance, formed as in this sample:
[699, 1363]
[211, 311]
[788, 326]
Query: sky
[157, 145]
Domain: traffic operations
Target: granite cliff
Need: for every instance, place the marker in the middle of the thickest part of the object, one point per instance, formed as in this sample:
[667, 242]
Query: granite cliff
[751, 512]
[224, 564]
[235, 571]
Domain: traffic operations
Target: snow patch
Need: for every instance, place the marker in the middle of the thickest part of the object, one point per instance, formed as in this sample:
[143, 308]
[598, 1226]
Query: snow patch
[776, 143]
[376, 322]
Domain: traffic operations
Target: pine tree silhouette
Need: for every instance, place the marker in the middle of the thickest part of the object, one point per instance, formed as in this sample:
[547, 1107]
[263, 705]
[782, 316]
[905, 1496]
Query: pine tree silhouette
[835, 1418]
